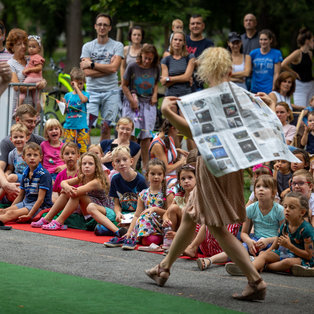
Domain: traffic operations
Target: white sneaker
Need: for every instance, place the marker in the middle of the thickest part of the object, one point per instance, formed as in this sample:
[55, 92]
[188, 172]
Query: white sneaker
[302, 271]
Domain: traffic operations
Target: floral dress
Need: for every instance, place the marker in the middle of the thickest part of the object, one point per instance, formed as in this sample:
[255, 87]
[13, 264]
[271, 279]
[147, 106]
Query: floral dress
[149, 224]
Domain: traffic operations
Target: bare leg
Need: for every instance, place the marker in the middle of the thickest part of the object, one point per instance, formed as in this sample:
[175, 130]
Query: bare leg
[69, 208]
[191, 250]
[144, 151]
[262, 259]
[13, 213]
[57, 206]
[284, 264]
[174, 213]
[219, 258]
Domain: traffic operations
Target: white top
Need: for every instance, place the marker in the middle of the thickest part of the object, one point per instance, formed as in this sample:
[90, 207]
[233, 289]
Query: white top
[281, 98]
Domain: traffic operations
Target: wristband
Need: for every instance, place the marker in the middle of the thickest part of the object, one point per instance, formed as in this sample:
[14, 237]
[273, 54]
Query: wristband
[92, 65]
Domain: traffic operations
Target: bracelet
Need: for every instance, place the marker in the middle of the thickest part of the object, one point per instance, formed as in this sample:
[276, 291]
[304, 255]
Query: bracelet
[92, 65]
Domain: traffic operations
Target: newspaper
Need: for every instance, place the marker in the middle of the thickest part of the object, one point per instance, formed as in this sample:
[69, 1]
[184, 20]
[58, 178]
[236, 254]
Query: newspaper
[233, 129]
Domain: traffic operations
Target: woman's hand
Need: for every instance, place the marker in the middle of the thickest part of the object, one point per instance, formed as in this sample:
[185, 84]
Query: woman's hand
[170, 104]
[267, 100]
[107, 158]
[182, 152]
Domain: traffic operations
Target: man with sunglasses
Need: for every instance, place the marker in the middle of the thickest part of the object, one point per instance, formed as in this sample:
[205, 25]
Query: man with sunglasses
[100, 61]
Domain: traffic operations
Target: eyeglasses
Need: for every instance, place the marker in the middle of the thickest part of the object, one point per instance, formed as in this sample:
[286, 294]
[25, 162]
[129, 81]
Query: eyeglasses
[102, 25]
[301, 183]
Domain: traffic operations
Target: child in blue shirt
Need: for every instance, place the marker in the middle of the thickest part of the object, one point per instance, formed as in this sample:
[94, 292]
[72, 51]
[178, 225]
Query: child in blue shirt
[125, 187]
[75, 126]
[36, 189]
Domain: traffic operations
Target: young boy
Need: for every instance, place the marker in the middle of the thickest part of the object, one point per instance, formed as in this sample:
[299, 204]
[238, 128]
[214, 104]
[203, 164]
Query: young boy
[177, 26]
[75, 126]
[125, 187]
[16, 163]
[35, 189]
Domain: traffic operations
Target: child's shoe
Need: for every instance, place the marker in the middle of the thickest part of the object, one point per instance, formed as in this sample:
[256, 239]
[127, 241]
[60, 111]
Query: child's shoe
[233, 269]
[38, 224]
[54, 225]
[302, 271]
[129, 244]
[101, 230]
[114, 242]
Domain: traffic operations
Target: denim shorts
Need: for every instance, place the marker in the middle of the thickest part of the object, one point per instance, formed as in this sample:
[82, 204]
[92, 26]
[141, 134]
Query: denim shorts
[29, 206]
[107, 103]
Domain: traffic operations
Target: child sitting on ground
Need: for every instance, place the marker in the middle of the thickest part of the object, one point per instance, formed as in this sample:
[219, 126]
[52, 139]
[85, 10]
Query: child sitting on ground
[16, 163]
[36, 189]
[75, 126]
[51, 148]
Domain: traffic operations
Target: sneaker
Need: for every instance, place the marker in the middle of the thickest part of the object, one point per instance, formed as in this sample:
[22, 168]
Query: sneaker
[233, 269]
[114, 242]
[54, 225]
[101, 230]
[302, 271]
[38, 224]
[129, 244]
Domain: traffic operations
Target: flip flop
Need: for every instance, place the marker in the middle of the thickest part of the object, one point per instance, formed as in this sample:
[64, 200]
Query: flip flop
[151, 248]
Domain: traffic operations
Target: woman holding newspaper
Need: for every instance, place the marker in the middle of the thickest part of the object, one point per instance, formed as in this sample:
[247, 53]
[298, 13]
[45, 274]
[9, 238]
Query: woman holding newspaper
[215, 201]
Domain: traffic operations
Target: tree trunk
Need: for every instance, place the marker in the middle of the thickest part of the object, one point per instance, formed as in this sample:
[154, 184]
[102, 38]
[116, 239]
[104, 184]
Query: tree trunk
[74, 39]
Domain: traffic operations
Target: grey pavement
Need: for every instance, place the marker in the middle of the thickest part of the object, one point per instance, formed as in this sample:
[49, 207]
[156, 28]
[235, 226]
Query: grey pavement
[91, 260]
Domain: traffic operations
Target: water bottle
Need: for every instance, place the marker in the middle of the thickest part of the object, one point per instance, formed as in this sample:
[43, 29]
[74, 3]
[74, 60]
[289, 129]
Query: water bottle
[167, 242]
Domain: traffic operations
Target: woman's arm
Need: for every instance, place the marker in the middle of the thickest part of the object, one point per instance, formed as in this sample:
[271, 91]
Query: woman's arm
[247, 68]
[294, 58]
[169, 110]
[123, 63]
[164, 74]
[273, 97]
[276, 73]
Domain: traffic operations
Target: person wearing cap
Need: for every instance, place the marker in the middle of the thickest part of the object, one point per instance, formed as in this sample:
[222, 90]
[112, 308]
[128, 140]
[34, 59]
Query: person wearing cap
[240, 62]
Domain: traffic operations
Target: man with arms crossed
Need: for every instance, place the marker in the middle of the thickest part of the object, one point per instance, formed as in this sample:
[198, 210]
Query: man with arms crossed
[100, 60]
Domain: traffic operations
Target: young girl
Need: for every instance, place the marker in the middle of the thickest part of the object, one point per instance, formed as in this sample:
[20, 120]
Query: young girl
[282, 174]
[96, 149]
[151, 205]
[294, 244]
[33, 70]
[302, 181]
[308, 135]
[51, 148]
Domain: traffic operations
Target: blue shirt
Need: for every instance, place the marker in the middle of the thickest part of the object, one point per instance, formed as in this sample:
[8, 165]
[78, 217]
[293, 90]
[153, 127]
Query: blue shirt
[127, 191]
[263, 66]
[265, 226]
[41, 179]
[76, 112]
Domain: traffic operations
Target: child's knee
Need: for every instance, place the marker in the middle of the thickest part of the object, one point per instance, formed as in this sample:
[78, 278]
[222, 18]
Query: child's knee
[91, 209]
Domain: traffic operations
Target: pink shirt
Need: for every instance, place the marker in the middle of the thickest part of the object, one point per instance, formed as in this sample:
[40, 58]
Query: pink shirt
[34, 61]
[61, 177]
[51, 156]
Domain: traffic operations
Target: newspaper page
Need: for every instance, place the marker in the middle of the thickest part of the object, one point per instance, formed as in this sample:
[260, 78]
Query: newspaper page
[233, 129]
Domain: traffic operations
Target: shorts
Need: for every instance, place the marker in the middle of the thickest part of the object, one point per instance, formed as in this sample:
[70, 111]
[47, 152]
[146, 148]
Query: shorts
[29, 206]
[144, 119]
[108, 103]
[283, 253]
[80, 137]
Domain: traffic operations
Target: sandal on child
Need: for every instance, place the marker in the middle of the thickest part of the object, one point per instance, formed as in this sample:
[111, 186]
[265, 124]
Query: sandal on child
[159, 274]
[54, 225]
[252, 292]
[202, 264]
[38, 224]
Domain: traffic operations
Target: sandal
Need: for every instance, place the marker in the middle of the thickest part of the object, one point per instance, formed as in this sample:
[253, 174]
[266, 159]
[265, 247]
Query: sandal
[159, 274]
[252, 292]
[202, 264]
[54, 225]
[38, 224]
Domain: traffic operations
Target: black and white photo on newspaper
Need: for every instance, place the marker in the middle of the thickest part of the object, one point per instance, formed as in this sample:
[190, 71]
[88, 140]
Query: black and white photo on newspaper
[233, 129]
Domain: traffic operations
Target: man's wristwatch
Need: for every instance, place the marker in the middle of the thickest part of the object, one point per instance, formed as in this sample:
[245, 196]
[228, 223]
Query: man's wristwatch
[92, 65]
[167, 79]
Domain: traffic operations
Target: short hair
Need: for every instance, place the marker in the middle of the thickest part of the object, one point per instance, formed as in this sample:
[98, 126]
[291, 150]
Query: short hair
[19, 127]
[268, 181]
[304, 173]
[25, 109]
[51, 123]
[15, 35]
[125, 120]
[77, 74]
[195, 16]
[270, 35]
[304, 202]
[184, 52]
[283, 76]
[121, 150]
[214, 63]
[286, 106]
[103, 15]
[70, 145]
[148, 48]
[132, 29]
[303, 35]
[305, 155]
[177, 21]
[34, 146]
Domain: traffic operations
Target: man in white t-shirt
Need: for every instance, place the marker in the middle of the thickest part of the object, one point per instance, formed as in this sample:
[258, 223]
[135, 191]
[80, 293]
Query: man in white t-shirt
[100, 60]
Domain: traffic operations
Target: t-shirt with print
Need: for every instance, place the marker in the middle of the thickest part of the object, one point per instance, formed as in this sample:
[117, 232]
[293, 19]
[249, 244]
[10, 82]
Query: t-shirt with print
[177, 67]
[51, 156]
[76, 112]
[265, 226]
[103, 54]
[41, 179]
[16, 160]
[127, 191]
[141, 80]
[263, 67]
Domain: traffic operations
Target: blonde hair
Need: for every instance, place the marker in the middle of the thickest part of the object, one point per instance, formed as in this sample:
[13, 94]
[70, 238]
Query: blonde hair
[214, 64]
[95, 146]
[99, 174]
[304, 173]
[70, 145]
[32, 145]
[121, 150]
[177, 21]
[51, 123]
[184, 52]
[77, 74]
[19, 127]
[125, 120]
[312, 98]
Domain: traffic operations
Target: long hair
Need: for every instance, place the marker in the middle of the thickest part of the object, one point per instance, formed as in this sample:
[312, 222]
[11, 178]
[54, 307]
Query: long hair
[270, 35]
[303, 35]
[166, 125]
[158, 162]
[99, 174]
[286, 106]
[184, 51]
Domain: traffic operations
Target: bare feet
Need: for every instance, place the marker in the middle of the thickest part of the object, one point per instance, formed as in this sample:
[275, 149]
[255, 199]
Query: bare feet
[255, 290]
[159, 274]
[190, 251]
